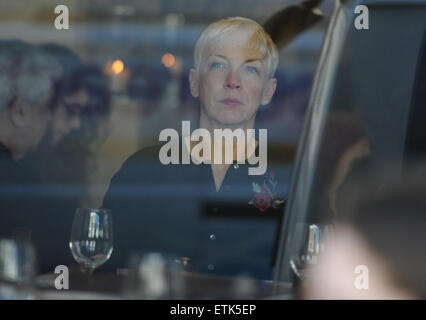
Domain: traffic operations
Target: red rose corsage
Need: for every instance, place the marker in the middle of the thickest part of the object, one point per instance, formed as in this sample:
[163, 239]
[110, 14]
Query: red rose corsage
[265, 195]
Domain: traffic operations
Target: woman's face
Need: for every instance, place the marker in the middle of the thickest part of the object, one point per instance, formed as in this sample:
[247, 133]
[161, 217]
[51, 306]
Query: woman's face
[66, 116]
[232, 81]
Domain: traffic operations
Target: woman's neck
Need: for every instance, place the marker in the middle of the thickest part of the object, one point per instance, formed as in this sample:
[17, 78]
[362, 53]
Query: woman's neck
[238, 151]
[242, 150]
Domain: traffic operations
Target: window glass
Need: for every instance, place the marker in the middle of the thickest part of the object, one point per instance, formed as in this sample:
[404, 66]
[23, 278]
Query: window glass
[372, 119]
[126, 68]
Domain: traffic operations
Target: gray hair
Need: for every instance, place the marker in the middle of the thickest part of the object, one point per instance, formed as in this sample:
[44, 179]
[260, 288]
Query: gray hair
[25, 71]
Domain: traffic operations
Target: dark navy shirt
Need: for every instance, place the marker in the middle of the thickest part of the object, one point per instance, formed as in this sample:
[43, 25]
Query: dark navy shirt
[175, 209]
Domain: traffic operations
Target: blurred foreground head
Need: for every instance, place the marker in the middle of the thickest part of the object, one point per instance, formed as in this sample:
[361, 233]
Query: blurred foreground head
[27, 77]
[377, 250]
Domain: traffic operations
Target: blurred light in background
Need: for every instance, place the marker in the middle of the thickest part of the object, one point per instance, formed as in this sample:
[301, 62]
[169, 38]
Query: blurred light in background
[117, 66]
[168, 60]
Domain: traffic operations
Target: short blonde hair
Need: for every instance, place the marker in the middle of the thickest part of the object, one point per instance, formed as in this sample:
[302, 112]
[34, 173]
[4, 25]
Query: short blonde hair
[260, 40]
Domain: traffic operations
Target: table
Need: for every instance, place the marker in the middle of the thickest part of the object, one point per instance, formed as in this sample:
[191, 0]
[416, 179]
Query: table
[179, 285]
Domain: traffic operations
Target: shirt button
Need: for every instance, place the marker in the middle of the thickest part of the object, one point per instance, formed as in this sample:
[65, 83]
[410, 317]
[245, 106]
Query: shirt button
[210, 267]
[236, 166]
[212, 237]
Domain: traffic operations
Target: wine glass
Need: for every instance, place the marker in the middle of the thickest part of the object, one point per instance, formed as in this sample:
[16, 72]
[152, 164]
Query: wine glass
[91, 241]
[17, 269]
[156, 275]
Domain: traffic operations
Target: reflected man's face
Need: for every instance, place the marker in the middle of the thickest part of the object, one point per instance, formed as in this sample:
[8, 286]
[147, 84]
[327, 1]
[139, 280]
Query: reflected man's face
[66, 116]
[233, 80]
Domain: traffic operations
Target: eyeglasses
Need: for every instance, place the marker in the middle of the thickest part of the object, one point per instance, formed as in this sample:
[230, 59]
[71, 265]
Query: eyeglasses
[73, 109]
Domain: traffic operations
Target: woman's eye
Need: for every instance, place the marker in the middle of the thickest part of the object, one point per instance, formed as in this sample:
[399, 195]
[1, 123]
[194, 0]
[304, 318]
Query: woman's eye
[252, 69]
[216, 65]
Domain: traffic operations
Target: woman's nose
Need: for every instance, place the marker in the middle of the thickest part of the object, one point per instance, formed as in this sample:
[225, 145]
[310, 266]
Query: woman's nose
[232, 81]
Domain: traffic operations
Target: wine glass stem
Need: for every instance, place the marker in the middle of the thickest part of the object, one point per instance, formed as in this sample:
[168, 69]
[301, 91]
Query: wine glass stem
[88, 270]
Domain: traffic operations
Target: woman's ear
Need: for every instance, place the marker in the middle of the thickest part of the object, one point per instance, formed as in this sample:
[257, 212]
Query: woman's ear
[20, 112]
[193, 82]
[269, 91]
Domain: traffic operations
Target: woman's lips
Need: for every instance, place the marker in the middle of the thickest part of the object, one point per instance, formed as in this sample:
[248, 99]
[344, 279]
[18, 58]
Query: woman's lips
[231, 102]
